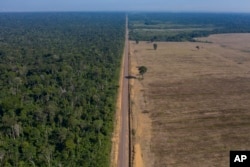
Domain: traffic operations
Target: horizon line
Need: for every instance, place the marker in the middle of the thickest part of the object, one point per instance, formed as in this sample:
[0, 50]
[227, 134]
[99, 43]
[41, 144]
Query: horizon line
[123, 11]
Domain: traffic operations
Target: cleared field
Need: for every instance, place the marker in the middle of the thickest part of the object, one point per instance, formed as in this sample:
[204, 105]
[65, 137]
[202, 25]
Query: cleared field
[193, 105]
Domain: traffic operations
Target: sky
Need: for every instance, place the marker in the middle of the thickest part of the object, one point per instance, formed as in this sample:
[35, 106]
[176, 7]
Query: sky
[237, 6]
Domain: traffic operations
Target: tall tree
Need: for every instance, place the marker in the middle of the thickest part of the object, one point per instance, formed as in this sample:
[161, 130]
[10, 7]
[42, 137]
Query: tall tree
[142, 70]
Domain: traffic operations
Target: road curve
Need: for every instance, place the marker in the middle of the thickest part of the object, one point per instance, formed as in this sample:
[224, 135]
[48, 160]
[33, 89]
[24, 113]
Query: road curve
[123, 153]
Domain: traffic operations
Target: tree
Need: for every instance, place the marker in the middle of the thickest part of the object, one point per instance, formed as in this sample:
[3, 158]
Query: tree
[155, 46]
[142, 70]
[136, 41]
[44, 120]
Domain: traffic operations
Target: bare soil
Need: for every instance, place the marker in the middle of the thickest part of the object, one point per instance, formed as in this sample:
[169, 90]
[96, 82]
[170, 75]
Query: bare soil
[141, 123]
[117, 122]
[193, 105]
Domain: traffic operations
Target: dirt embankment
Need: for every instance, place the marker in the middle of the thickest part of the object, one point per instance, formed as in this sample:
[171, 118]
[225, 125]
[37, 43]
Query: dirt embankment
[117, 127]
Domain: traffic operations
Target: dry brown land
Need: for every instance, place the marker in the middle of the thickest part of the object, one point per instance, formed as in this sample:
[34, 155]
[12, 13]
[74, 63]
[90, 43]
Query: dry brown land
[117, 122]
[193, 105]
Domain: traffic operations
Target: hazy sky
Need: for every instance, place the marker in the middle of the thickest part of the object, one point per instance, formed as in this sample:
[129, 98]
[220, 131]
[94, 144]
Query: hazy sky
[126, 5]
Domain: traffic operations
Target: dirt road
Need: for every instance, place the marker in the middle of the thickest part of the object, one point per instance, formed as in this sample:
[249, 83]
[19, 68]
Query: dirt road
[123, 154]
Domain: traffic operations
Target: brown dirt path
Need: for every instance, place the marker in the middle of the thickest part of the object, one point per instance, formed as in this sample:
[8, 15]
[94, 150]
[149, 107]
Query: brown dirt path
[123, 156]
[120, 140]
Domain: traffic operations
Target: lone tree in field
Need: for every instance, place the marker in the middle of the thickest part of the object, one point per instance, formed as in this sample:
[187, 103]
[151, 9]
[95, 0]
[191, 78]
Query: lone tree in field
[155, 46]
[142, 70]
[137, 41]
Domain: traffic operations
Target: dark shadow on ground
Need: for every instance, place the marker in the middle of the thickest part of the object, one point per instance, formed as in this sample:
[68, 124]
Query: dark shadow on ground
[131, 77]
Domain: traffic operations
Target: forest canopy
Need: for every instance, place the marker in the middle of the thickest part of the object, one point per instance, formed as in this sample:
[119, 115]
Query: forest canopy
[58, 80]
[185, 26]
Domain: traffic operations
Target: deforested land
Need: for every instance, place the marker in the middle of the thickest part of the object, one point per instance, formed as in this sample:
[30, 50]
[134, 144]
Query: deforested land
[192, 105]
[59, 80]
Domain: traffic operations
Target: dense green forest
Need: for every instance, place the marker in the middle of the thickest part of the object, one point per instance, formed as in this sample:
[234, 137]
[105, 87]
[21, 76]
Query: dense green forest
[184, 26]
[58, 80]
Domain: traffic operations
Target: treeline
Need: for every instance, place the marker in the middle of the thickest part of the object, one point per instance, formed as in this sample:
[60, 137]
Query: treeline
[58, 80]
[219, 23]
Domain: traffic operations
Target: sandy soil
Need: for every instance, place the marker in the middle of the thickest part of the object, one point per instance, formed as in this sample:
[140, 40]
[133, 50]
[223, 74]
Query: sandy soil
[231, 41]
[141, 122]
[193, 105]
[116, 133]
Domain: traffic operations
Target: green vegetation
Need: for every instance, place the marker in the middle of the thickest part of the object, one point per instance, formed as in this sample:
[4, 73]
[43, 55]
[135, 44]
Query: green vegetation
[59, 78]
[142, 70]
[184, 26]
